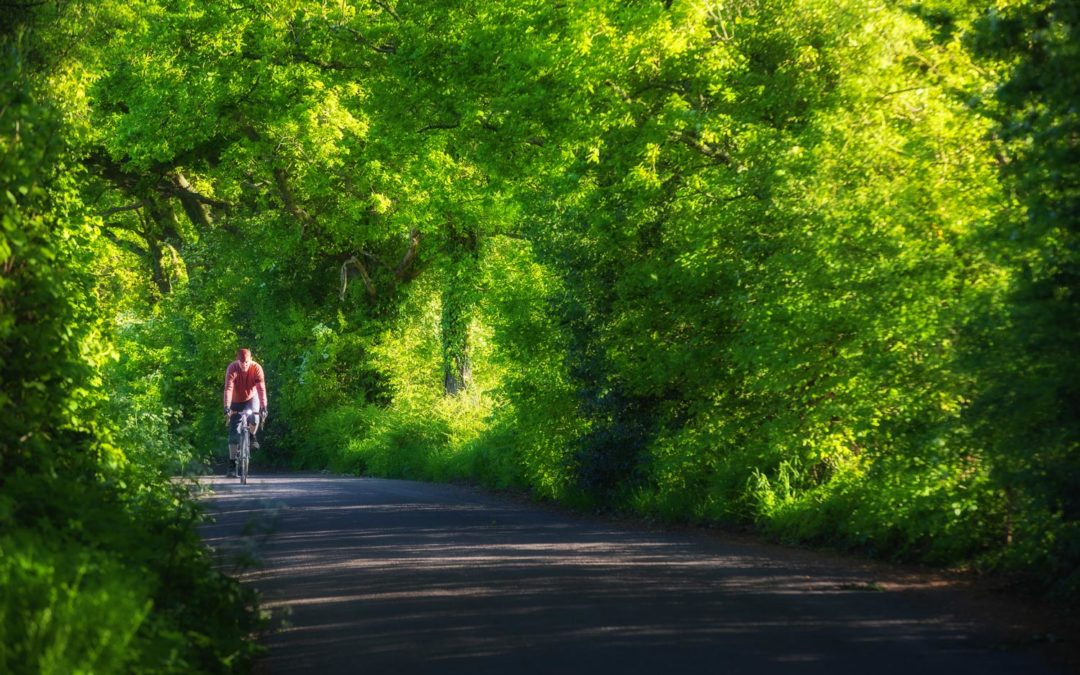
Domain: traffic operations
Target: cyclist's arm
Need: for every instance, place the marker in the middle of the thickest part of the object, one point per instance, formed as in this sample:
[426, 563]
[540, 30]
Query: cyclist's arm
[260, 388]
[230, 380]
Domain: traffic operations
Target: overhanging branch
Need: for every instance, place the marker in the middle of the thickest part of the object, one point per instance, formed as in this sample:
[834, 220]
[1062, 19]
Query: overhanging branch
[120, 209]
[691, 139]
[358, 265]
[287, 198]
[178, 190]
[129, 246]
[196, 210]
[388, 8]
[403, 268]
[439, 126]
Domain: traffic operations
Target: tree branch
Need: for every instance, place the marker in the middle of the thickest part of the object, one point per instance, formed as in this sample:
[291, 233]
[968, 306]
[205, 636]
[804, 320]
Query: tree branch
[619, 90]
[282, 180]
[197, 212]
[662, 86]
[177, 190]
[119, 209]
[435, 127]
[300, 57]
[894, 92]
[385, 48]
[373, 258]
[125, 227]
[403, 268]
[359, 266]
[129, 246]
[691, 139]
[388, 8]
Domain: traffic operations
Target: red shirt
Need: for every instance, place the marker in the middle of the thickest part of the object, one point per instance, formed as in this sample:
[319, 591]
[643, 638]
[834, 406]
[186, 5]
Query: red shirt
[241, 385]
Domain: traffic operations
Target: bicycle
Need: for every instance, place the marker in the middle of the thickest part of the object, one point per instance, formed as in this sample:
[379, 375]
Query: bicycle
[243, 444]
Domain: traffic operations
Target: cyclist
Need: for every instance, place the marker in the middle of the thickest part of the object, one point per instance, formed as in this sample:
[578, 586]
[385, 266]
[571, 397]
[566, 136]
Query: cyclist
[245, 390]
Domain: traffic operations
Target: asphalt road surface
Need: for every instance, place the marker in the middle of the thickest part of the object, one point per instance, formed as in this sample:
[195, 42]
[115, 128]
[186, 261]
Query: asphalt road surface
[381, 576]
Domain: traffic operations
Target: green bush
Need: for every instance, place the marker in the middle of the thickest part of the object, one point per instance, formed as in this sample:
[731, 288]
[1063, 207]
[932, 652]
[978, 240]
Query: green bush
[796, 265]
[101, 567]
[67, 609]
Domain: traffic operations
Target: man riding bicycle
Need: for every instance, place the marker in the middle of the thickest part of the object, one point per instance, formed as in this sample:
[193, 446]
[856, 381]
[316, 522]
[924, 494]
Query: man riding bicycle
[245, 390]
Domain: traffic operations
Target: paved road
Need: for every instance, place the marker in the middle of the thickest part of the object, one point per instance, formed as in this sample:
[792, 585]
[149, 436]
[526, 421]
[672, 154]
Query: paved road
[380, 576]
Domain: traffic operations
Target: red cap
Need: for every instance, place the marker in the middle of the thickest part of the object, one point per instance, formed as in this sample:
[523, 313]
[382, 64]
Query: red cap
[243, 354]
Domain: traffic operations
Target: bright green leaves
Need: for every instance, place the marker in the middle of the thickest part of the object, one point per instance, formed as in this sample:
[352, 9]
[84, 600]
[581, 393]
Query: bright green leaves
[719, 260]
[767, 203]
[86, 500]
[67, 608]
[45, 313]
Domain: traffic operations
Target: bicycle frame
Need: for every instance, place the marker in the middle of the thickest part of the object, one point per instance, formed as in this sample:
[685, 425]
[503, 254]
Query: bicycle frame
[243, 447]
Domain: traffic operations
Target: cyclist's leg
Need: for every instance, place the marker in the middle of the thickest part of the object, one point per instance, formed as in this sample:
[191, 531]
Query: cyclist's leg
[253, 422]
[230, 470]
[234, 450]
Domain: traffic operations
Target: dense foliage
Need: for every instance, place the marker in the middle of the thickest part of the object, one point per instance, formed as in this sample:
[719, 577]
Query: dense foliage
[101, 568]
[804, 265]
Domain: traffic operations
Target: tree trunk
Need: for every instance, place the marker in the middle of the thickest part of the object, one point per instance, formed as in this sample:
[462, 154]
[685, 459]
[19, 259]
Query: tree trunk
[458, 299]
[197, 212]
[457, 363]
[162, 234]
[161, 278]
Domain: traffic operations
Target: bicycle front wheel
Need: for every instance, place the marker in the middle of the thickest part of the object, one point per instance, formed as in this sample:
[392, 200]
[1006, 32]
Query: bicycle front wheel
[245, 455]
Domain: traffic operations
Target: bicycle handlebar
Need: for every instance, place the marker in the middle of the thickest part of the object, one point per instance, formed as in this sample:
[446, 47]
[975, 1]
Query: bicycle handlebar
[229, 414]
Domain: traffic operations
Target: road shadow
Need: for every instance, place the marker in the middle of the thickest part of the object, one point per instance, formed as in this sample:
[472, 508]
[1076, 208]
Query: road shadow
[391, 576]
